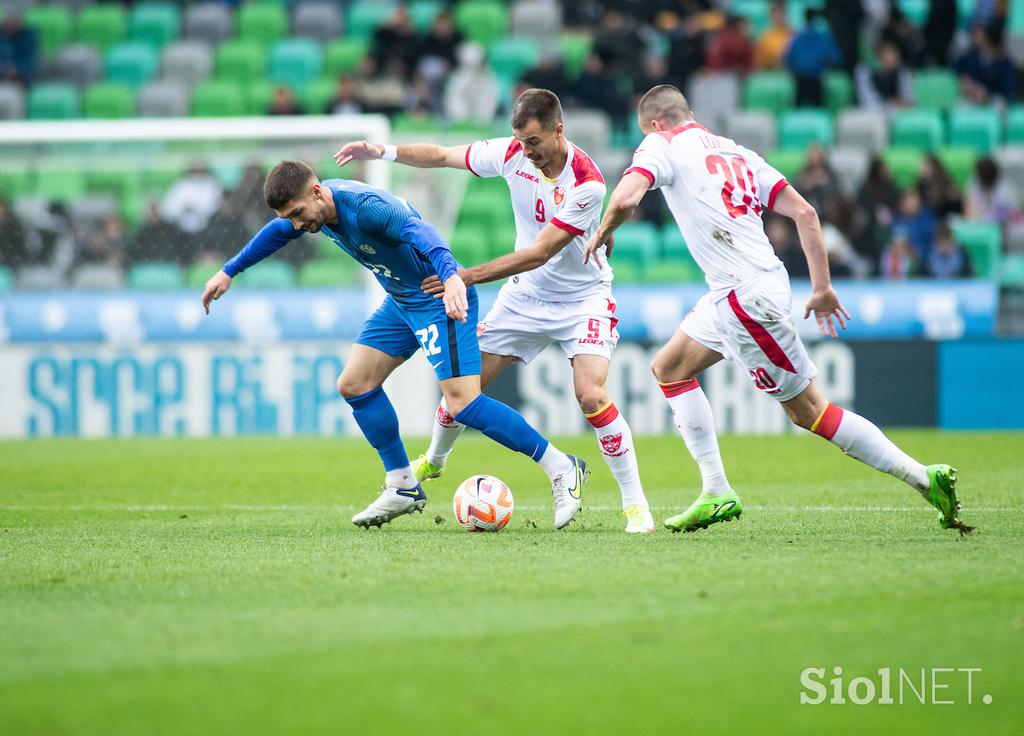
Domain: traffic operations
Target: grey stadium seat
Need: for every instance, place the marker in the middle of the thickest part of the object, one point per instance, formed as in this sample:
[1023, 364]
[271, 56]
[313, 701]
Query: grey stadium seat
[39, 277]
[98, 277]
[92, 208]
[851, 166]
[188, 61]
[210, 22]
[1011, 164]
[866, 129]
[320, 21]
[591, 130]
[754, 129]
[537, 19]
[78, 63]
[12, 101]
[163, 99]
[714, 97]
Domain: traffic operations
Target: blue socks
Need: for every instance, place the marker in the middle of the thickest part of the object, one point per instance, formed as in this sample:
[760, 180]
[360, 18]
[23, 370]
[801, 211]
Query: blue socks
[376, 417]
[502, 424]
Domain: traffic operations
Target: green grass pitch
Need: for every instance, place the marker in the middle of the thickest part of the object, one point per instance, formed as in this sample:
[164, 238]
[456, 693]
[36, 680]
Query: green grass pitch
[189, 586]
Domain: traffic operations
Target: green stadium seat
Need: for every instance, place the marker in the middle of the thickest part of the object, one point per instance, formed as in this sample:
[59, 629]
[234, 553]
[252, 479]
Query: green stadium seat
[334, 271]
[198, 274]
[575, 48]
[6, 279]
[109, 100]
[403, 124]
[503, 237]
[677, 263]
[789, 162]
[1011, 269]
[132, 63]
[60, 185]
[959, 162]
[483, 21]
[903, 163]
[979, 128]
[216, 99]
[317, 95]
[915, 10]
[838, 91]
[801, 128]
[935, 89]
[471, 244]
[102, 25]
[636, 243]
[423, 12]
[15, 181]
[983, 242]
[261, 23]
[920, 129]
[155, 276]
[274, 273]
[755, 11]
[1015, 124]
[295, 62]
[671, 272]
[117, 181]
[53, 101]
[240, 61]
[344, 56]
[155, 23]
[627, 272]
[772, 91]
[52, 24]
[258, 95]
[365, 16]
[510, 57]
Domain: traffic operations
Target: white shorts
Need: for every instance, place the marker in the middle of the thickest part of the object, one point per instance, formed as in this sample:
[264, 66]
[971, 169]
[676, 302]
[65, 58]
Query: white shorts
[522, 326]
[752, 326]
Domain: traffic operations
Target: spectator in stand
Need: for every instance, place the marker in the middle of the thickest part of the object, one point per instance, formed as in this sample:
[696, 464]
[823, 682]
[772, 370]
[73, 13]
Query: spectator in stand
[810, 53]
[655, 72]
[618, 44]
[937, 189]
[782, 235]
[772, 46]
[191, 202]
[396, 41]
[19, 50]
[685, 51]
[384, 90]
[987, 76]
[731, 48]
[418, 100]
[472, 92]
[283, 102]
[877, 201]
[899, 261]
[227, 230]
[889, 85]
[347, 99]
[249, 196]
[938, 31]
[13, 238]
[437, 55]
[548, 74]
[103, 245]
[947, 260]
[916, 222]
[845, 18]
[597, 89]
[989, 197]
[159, 240]
[906, 36]
[817, 181]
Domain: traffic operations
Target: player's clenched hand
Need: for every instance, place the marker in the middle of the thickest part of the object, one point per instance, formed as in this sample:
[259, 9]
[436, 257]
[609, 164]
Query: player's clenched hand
[456, 306]
[215, 288]
[825, 305]
[433, 286]
[358, 151]
[596, 241]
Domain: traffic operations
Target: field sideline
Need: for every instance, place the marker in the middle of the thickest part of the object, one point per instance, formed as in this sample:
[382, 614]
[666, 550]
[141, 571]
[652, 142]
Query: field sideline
[217, 586]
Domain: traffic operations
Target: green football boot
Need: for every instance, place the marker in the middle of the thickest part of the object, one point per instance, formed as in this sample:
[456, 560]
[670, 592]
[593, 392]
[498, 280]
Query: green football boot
[424, 470]
[705, 511]
[942, 495]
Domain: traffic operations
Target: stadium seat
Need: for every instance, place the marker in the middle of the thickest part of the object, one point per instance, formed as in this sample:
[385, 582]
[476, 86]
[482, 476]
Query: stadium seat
[979, 128]
[332, 271]
[188, 62]
[39, 278]
[535, 19]
[261, 23]
[258, 95]
[15, 181]
[716, 96]
[155, 276]
[317, 94]
[903, 164]
[471, 244]
[851, 166]
[131, 63]
[53, 101]
[116, 180]
[636, 243]
[154, 23]
[838, 91]
[920, 129]
[215, 99]
[591, 130]
[983, 243]
[344, 56]
[483, 207]
[78, 63]
[91, 209]
[1011, 163]
[801, 128]
[1015, 124]
[403, 124]
[317, 20]
[97, 276]
[274, 273]
[211, 22]
[772, 91]
[867, 129]
[423, 12]
[754, 129]
[935, 89]
[483, 21]
[102, 25]
[511, 56]
[12, 101]
[163, 98]
[755, 11]
[959, 162]
[787, 161]
[240, 61]
[60, 185]
[109, 100]
[574, 48]
[365, 16]
[52, 24]
[295, 62]
[1011, 270]
[6, 279]
[676, 253]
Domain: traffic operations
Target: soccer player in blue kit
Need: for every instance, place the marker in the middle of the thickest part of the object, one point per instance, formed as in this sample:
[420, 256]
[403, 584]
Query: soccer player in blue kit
[386, 235]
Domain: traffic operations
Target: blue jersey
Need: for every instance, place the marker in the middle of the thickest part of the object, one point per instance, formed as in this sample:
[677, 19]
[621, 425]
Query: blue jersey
[381, 231]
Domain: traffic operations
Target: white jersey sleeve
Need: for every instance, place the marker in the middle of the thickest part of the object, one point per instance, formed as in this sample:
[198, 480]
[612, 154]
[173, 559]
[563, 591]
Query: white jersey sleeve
[488, 158]
[769, 180]
[653, 159]
[581, 209]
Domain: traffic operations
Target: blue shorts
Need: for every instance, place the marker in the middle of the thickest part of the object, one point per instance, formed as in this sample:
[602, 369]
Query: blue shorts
[450, 346]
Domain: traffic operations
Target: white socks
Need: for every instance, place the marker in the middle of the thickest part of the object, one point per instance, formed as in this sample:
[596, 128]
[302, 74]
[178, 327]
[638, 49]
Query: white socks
[695, 423]
[446, 431]
[554, 462]
[401, 478]
[616, 443]
[860, 439]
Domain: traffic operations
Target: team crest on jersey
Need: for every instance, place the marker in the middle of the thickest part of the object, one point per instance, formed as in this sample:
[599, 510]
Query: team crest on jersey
[612, 445]
[559, 195]
[368, 249]
[480, 329]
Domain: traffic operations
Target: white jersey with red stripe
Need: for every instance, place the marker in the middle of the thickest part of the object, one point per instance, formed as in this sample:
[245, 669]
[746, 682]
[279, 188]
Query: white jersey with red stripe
[571, 201]
[716, 190]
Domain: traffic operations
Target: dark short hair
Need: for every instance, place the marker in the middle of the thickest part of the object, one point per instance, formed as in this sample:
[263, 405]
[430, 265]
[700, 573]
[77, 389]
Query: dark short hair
[287, 182]
[541, 105]
[663, 103]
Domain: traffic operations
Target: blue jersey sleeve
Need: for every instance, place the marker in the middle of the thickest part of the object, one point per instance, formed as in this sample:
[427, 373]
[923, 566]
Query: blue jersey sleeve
[393, 222]
[275, 235]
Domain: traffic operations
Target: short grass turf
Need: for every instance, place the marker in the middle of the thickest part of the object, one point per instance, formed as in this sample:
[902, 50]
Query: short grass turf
[187, 587]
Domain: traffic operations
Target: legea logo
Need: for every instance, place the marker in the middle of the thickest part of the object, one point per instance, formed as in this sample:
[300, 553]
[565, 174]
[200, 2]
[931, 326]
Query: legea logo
[892, 686]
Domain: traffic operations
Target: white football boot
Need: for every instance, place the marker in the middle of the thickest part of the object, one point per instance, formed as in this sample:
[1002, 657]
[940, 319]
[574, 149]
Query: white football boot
[567, 490]
[390, 504]
[638, 519]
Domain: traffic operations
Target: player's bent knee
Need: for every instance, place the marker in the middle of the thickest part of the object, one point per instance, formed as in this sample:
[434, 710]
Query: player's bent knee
[591, 398]
[665, 371]
[350, 386]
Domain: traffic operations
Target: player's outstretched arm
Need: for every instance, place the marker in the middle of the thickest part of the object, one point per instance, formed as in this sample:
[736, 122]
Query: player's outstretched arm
[823, 302]
[275, 235]
[218, 284]
[420, 155]
[625, 198]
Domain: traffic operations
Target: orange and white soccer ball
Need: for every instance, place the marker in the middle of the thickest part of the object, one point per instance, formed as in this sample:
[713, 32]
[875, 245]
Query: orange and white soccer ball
[483, 504]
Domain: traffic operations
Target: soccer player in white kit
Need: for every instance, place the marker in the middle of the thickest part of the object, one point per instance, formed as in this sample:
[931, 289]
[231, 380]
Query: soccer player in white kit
[716, 191]
[552, 295]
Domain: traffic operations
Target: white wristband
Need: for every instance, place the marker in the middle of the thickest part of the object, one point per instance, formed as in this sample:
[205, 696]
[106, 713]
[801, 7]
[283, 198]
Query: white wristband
[390, 153]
